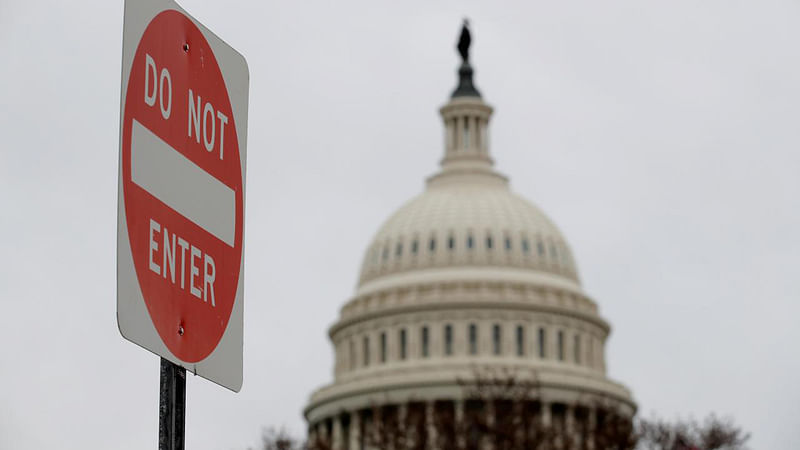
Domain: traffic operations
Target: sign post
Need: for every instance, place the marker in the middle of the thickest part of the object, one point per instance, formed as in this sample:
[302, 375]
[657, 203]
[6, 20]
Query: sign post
[180, 219]
[171, 407]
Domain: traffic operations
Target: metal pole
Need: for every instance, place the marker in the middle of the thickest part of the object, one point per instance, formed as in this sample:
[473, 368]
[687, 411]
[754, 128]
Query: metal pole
[171, 407]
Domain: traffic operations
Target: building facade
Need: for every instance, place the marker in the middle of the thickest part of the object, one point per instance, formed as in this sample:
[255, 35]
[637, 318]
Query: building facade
[467, 276]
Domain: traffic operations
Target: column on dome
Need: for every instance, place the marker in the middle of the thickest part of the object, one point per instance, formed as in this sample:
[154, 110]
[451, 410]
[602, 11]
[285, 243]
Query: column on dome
[478, 135]
[465, 133]
[569, 350]
[349, 356]
[450, 128]
[336, 439]
[519, 431]
[581, 340]
[569, 423]
[460, 426]
[534, 424]
[339, 362]
[312, 434]
[430, 425]
[532, 339]
[322, 432]
[355, 431]
[475, 132]
[336, 360]
[488, 442]
[374, 429]
[602, 356]
[485, 136]
[402, 418]
[552, 342]
[547, 414]
[591, 427]
[509, 336]
[459, 134]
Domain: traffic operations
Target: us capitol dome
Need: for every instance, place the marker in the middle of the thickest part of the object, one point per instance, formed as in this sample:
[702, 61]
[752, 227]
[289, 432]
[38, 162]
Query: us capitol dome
[465, 275]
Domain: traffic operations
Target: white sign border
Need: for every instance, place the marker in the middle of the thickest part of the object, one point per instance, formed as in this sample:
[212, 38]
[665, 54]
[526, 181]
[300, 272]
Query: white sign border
[224, 365]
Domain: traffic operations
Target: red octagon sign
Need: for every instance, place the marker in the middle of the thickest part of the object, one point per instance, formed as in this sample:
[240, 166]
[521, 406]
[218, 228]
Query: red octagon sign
[182, 186]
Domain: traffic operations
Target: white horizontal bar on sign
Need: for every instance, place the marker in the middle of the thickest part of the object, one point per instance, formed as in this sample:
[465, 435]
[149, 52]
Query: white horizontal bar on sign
[182, 185]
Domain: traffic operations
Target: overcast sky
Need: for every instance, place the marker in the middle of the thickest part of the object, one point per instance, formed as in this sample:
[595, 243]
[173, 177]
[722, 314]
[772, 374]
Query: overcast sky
[662, 139]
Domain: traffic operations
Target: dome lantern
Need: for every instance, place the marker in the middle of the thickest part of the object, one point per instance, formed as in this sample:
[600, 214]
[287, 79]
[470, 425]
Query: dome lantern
[466, 120]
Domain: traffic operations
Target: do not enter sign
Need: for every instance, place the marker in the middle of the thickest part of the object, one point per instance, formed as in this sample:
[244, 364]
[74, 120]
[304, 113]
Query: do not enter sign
[183, 186]
[181, 213]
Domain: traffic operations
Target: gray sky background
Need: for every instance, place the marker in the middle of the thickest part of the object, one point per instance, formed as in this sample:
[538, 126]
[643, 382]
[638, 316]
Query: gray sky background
[662, 138]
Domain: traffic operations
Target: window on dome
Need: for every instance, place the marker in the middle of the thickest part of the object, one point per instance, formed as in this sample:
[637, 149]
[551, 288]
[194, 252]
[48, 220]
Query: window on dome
[432, 244]
[403, 346]
[383, 347]
[560, 345]
[398, 251]
[448, 340]
[425, 343]
[366, 351]
[352, 354]
[473, 339]
[508, 243]
[385, 253]
[542, 343]
[520, 340]
[451, 243]
[540, 247]
[576, 349]
[590, 350]
[497, 344]
[525, 246]
[553, 251]
[489, 242]
[414, 247]
[470, 242]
